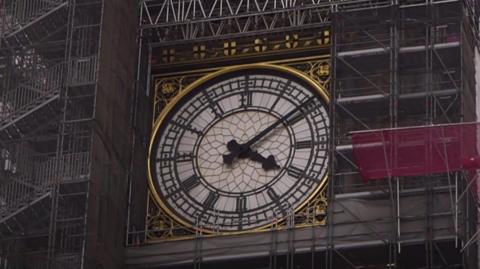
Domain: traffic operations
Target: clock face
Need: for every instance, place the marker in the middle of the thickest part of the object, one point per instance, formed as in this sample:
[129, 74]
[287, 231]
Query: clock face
[240, 149]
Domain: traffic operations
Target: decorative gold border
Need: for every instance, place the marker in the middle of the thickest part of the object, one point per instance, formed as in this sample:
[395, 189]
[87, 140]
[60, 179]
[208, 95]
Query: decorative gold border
[158, 122]
[181, 79]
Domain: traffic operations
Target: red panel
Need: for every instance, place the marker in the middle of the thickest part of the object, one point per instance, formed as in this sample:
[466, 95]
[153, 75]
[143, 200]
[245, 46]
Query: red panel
[416, 151]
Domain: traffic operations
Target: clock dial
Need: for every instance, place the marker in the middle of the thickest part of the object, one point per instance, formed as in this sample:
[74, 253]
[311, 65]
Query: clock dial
[240, 149]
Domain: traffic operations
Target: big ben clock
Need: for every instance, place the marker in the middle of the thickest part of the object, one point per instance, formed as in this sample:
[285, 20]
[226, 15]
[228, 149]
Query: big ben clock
[239, 149]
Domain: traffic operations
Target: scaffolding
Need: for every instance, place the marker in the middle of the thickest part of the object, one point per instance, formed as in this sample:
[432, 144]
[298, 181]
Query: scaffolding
[407, 64]
[394, 63]
[48, 81]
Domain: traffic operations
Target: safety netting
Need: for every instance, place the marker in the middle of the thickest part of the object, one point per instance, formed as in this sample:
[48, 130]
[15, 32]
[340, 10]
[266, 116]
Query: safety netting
[416, 151]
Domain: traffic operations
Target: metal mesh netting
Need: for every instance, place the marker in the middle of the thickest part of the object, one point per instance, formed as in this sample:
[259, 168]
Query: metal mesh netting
[416, 151]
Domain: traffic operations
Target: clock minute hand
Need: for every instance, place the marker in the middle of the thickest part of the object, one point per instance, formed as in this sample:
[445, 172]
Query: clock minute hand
[275, 124]
[238, 149]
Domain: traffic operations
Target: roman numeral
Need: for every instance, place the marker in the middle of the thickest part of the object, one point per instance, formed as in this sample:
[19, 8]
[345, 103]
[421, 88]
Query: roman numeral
[303, 144]
[246, 99]
[215, 107]
[179, 157]
[306, 108]
[190, 183]
[187, 127]
[296, 118]
[246, 95]
[272, 194]
[295, 172]
[241, 204]
[276, 199]
[282, 91]
[184, 157]
[212, 198]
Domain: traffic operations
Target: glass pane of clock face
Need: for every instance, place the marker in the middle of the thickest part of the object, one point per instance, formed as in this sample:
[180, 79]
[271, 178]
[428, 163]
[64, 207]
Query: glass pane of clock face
[241, 150]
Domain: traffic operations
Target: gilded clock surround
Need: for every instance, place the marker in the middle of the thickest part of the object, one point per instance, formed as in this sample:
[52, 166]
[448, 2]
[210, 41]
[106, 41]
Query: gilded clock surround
[170, 86]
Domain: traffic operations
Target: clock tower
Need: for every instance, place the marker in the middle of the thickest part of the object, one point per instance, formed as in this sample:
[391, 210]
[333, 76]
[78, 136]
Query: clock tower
[248, 156]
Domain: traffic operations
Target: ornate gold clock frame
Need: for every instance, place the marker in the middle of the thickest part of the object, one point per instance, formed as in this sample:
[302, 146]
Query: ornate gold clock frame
[174, 68]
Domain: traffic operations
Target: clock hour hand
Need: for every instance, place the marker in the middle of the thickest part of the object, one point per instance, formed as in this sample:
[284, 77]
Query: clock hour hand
[267, 163]
[242, 150]
[235, 151]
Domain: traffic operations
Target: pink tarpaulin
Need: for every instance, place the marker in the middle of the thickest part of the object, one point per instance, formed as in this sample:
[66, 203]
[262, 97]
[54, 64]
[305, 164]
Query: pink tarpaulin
[416, 151]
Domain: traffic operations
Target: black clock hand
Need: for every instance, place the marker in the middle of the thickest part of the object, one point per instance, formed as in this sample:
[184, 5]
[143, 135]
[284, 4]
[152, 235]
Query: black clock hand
[267, 163]
[275, 124]
[234, 149]
[241, 149]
